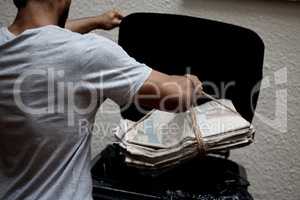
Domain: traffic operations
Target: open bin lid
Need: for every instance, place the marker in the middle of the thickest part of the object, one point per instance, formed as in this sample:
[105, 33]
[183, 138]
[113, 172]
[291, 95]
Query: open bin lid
[226, 57]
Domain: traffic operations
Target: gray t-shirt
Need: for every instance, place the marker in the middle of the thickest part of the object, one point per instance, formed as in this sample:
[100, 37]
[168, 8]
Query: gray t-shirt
[52, 82]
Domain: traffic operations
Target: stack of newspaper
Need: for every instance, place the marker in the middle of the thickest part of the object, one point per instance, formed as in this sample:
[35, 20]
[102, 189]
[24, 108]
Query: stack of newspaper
[167, 139]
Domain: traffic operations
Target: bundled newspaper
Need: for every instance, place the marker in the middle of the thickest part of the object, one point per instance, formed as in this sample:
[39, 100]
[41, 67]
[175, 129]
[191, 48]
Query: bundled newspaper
[167, 139]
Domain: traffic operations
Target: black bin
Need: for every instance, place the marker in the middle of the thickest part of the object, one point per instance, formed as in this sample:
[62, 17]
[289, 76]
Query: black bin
[226, 55]
[210, 178]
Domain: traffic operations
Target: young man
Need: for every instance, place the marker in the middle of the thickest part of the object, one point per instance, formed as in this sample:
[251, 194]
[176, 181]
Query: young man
[51, 79]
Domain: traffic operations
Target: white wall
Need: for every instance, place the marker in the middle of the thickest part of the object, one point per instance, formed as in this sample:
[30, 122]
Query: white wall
[273, 162]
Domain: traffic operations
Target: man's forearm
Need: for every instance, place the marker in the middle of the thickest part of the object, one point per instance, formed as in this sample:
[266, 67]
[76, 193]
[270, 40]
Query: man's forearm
[106, 21]
[169, 93]
[84, 25]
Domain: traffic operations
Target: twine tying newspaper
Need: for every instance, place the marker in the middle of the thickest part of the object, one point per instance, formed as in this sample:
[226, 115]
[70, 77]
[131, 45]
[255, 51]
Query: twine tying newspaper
[196, 129]
[198, 133]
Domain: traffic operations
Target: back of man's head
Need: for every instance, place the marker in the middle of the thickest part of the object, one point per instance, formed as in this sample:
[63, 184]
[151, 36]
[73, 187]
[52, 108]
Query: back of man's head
[58, 9]
[20, 3]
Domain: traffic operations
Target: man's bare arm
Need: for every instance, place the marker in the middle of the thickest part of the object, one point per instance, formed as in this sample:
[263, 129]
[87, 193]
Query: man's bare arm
[106, 21]
[169, 93]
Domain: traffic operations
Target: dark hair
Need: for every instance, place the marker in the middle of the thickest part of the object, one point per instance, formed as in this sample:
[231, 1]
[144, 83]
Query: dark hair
[20, 3]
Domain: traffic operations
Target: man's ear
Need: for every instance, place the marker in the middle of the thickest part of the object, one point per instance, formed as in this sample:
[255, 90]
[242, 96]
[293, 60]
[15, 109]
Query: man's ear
[65, 7]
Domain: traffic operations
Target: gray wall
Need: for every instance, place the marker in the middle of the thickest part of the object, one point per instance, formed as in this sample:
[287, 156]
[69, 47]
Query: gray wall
[273, 162]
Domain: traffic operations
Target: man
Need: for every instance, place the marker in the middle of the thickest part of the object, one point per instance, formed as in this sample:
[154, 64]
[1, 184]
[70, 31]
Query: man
[51, 79]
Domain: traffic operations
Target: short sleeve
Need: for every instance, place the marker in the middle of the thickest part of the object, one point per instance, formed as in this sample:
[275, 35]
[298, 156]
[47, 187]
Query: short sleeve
[109, 69]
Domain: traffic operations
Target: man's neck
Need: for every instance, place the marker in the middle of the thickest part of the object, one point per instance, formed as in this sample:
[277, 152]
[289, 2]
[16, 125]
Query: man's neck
[33, 16]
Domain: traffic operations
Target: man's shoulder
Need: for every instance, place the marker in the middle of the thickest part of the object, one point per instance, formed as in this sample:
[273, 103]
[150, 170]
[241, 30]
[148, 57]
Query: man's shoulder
[85, 47]
[56, 32]
[74, 39]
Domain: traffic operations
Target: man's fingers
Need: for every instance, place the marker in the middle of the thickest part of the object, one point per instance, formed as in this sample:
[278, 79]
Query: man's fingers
[117, 18]
[117, 22]
[197, 84]
[117, 14]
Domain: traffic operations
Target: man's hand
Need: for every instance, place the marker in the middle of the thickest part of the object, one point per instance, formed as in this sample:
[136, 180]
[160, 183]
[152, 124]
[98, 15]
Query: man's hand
[196, 84]
[106, 21]
[109, 20]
